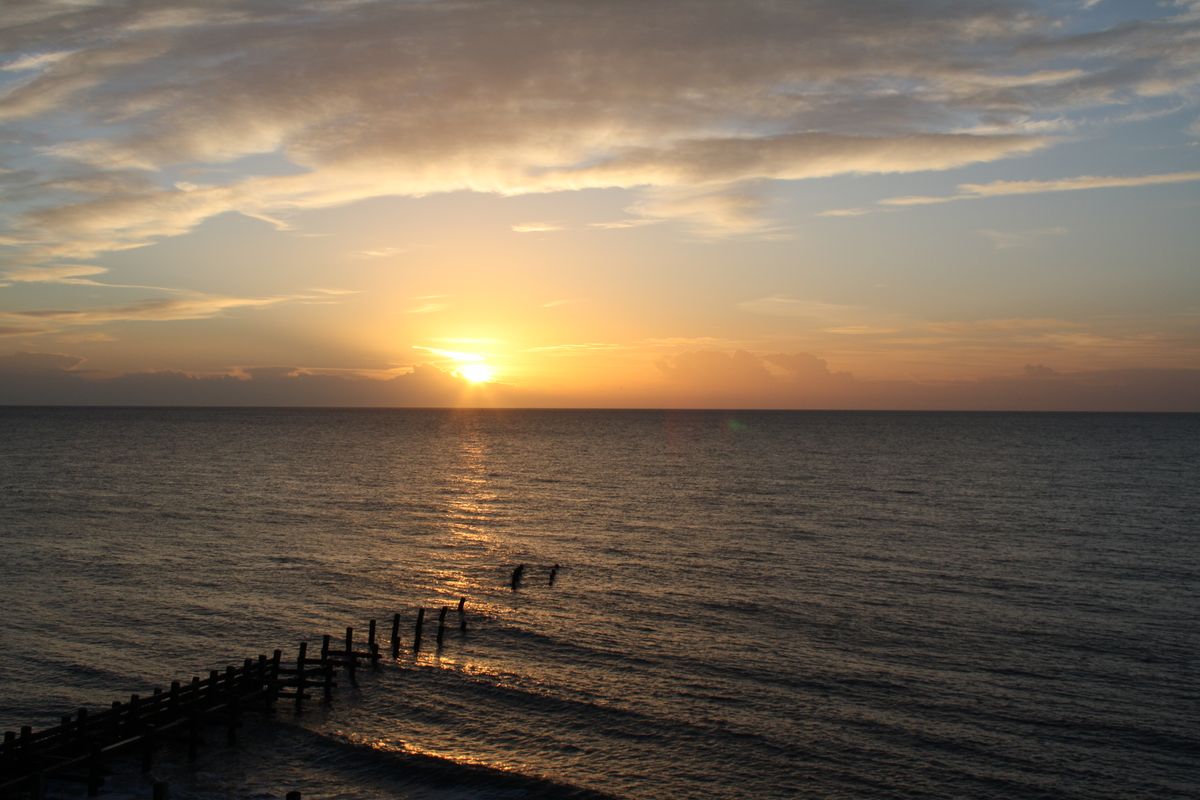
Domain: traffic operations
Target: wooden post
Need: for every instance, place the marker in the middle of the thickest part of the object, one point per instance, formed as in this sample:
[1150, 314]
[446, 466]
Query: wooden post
[351, 660]
[441, 634]
[326, 669]
[420, 625]
[193, 731]
[300, 659]
[395, 636]
[262, 681]
[231, 705]
[114, 721]
[131, 722]
[81, 717]
[462, 614]
[157, 705]
[553, 574]
[372, 645]
[273, 691]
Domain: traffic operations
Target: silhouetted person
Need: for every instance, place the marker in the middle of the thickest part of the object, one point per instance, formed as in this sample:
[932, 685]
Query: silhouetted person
[553, 573]
[518, 573]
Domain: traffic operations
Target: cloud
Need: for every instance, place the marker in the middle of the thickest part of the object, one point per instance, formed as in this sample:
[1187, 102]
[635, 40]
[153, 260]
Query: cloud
[622, 224]
[784, 306]
[979, 191]
[844, 212]
[689, 107]
[743, 379]
[24, 363]
[71, 273]
[536, 227]
[55, 379]
[152, 310]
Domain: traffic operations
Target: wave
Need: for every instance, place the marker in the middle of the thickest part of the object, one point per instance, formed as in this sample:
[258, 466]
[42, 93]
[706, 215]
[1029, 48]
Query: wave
[365, 761]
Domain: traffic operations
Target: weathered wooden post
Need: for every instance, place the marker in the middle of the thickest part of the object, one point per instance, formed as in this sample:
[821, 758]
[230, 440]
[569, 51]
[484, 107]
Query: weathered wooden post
[273, 686]
[157, 705]
[517, 574]
[372, 646]
[213, 696]
[420, 625]
[300, 659]
[441, 634]
[131, 720]
[262, 679]
[326, 670]
[114, 720]
[462, 614]
[81, 718]
[194, 708]
[351, 659]
[231, 705]
[395, 635]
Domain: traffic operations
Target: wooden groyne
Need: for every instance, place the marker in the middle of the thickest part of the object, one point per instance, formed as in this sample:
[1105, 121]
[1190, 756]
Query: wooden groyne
[80, 747]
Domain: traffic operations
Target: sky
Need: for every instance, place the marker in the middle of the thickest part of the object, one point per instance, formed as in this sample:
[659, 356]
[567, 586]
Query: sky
[925, 204]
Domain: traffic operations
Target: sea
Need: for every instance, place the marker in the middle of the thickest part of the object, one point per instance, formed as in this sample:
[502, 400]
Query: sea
[747, 604]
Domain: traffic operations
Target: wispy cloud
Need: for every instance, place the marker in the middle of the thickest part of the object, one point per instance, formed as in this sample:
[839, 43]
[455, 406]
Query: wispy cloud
[171, 309]
[66, 273]
[536, 227]
[573, 347]
[428, 304]
[383, 252]
[784, 306]
[623, 224]
[978, 191]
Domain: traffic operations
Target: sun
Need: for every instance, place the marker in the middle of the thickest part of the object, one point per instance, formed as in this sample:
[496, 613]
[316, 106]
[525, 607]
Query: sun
[477, 373]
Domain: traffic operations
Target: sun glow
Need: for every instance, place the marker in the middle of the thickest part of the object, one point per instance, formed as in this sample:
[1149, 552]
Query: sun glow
[476, 373]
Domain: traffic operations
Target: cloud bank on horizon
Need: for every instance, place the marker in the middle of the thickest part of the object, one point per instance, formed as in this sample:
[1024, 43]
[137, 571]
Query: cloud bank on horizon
[130, 124]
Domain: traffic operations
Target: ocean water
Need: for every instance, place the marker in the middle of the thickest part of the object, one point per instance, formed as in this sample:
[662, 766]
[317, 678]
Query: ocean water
[758, 605]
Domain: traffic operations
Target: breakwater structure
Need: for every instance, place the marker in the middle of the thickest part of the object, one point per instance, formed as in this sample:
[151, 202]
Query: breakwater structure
[80, 747]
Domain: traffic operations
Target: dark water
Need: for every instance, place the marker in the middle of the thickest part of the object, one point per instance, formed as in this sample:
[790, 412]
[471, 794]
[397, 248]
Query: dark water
[826, 605]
